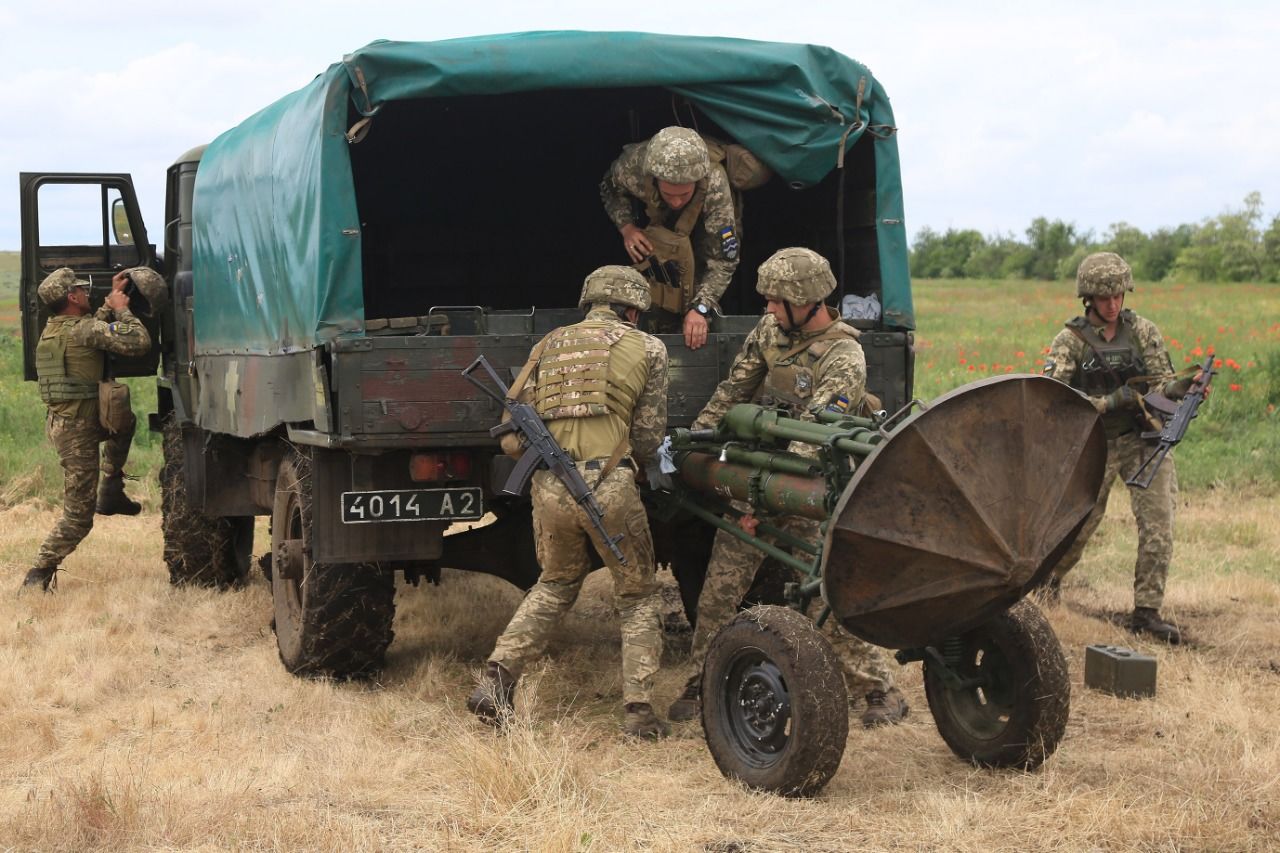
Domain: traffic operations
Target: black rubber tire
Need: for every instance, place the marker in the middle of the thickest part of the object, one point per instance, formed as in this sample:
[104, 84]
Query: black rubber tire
[774, 709]
[1018, 718]
[199, 550]
[335, 620]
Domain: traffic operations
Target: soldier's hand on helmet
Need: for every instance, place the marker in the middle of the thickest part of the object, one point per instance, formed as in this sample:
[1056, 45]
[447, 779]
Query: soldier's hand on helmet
[120, 280]
[695, 330]
[1120, 399]
[117, 300]
[636, 242]
[748, 523]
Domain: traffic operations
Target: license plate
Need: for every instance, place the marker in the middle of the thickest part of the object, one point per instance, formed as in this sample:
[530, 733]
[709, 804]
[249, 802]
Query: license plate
[412, 505]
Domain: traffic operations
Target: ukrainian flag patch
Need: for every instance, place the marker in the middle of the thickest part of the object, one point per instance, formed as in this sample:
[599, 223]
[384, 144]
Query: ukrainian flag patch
[729, 242]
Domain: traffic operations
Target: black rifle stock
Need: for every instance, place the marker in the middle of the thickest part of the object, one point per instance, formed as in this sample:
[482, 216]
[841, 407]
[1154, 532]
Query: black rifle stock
[1175, 427]
[543, 452]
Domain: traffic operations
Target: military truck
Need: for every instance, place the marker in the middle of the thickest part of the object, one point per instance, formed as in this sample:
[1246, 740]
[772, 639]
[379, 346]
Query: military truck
[335, 260]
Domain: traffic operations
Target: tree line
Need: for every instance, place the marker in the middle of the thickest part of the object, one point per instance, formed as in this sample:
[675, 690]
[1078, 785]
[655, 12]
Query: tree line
[1236, 245]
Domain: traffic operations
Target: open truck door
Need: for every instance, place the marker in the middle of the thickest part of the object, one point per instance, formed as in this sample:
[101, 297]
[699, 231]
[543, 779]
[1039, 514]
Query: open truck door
[92, 224]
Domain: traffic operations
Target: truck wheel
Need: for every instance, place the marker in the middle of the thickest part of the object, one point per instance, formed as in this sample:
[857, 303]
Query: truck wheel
[1012, 709]
[200, 550]
[774, 708]
[332, 620]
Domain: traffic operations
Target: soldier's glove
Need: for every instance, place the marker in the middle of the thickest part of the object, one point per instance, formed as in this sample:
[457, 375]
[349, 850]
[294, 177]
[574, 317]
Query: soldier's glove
[1178, 388]
[1120, 399]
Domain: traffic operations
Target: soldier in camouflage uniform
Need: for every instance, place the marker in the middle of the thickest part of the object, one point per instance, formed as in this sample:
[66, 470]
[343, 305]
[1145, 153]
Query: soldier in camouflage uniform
[800, 357]
[1115, 357]
[689, 220]
[601, 387]
[69, 364]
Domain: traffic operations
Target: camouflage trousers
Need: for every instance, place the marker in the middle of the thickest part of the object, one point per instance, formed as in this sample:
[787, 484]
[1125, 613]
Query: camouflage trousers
[76, 440]
[562, 530]
[1153, 511]
[730, 572]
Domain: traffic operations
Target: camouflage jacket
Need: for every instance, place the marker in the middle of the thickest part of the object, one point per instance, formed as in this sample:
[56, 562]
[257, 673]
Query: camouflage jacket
[834, 369]
[1068, 351]
[626, 184]
[119, 333]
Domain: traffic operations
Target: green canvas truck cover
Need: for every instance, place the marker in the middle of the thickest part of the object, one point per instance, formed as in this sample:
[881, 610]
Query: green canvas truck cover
[277, 254]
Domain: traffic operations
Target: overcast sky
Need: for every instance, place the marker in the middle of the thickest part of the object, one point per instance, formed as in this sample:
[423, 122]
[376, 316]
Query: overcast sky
[1154, 113]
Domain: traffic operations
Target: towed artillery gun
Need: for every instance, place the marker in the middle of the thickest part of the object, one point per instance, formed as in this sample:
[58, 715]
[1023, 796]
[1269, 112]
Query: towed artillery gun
[936, 522]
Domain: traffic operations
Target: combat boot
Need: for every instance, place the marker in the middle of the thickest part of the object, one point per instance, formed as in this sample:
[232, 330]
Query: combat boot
[689, 705]
[46, 579]
[885, 708]
[641, 722]
[1146, 620]
[112, 499]
[493, 700]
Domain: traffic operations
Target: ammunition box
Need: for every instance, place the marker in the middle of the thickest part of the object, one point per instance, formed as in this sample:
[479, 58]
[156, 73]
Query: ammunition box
[1119, 671]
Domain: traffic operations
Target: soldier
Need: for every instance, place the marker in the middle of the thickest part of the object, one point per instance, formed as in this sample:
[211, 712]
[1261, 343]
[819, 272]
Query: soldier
[601, 387]
[682, 192]
[69, 365]
[1115, 357]
[800, 356]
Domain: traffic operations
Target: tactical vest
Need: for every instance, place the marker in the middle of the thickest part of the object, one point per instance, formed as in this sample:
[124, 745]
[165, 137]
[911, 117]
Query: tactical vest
[1106, 365]
[66, 374]
[672, 290]
[790, 379]
[583, 373]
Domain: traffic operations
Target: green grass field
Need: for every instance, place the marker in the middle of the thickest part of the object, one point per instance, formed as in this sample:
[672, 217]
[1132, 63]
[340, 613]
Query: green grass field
[967, 330]
[970, 329]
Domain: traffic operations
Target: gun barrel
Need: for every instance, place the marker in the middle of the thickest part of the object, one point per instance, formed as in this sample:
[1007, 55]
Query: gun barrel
[789, 494]
[752, 423]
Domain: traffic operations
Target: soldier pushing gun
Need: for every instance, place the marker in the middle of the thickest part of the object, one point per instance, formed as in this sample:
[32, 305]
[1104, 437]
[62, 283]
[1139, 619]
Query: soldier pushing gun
[599, 403]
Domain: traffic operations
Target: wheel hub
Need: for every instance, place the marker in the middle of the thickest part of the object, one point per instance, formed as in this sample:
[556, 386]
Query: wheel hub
[759, 709]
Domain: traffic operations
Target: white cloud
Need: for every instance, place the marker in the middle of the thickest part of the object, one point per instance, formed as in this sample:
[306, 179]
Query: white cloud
[1155, 113]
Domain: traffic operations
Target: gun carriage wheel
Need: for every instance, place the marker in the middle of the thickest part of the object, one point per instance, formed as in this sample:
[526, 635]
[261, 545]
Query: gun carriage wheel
[774, 708]
[999, 693]
[331, 619]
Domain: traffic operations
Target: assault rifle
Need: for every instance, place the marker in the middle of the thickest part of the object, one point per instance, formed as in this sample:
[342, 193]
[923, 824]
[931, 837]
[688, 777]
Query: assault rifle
[543, 452]
[1175, 427]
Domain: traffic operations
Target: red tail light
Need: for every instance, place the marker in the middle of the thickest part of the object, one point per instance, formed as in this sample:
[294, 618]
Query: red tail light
[441, 466]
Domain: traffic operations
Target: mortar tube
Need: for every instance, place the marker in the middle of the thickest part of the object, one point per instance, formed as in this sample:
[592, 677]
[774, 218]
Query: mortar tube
[770, 491]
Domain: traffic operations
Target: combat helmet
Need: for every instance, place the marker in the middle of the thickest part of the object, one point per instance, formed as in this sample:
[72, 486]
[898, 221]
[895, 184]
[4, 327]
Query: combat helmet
[58, 284]
[677, 155]
[1103, 274]
[799, 276]
[615, 285]
[149, 295]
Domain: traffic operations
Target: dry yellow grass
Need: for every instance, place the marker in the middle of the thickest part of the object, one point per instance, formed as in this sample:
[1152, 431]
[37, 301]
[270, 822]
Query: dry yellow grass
[138, 716]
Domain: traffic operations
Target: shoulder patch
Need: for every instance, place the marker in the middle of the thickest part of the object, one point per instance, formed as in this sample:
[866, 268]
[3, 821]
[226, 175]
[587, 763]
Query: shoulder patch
[729, 243]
